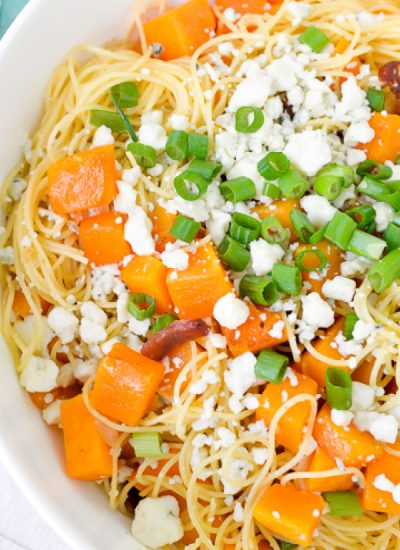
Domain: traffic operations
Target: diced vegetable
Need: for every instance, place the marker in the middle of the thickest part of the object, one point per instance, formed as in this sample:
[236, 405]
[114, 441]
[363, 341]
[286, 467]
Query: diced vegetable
[352, 447]
[289, 513]
[244, 228]
[102, 238]
[376, 99]
[87, 456]
[20, 304]
[179, 357]
[243, 6]
[349, 323]
[290, 432]
[125, 384]
[85, 180]
[385, 272]
[273, 165]
[40, 399]
[287, 278]
[177, 145]
[195, 290]
[184, 229]
[315, 38]
[273, 231]
[249, 120]
[163, 321]
[238, 189]
[147, 275]
[314, 257]
[181, 30]
[292, 184]
[310, 365]
[374, 170]
[141, 306]
[147, 444]
[302, 225]
[271, 366]
[162, 221]
[386, 142]
[340, 230]
[392, 236]
[366, 245]
[321, 461]
[254, 334]
[145, 155]
[338, 388]
[373, 499]
[260, 290]
[343, 503]
[234, 254]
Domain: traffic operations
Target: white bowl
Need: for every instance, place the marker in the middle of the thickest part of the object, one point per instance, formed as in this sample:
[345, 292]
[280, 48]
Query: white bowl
[37, 41]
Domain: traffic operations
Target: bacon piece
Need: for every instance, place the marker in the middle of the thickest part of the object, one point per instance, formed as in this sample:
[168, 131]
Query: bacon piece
[171, 336]
[389, 74]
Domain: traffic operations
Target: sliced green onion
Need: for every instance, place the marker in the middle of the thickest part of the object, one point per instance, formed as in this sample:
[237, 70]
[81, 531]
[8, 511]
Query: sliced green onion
[126, 94]
[329, 187]
[366, 245]
[207, 169]
[340, 230]
[107, 118]
[373, 188]
[287, 278]
[272, 191]
[315, 253]
[273, 166]
[197, 146]
[145, 155]
[285, 545]
[338, 388]
[318, 235]
[293, 185]
[343, 503]
[339, 171]
[190, 186]
[393, 185]
[177, 145]
[376, 99]
[238, 189]
[136, 301]
[382, 274]
[394, 200]
[114, 98]
[349, 323]
[260, 290]
[234, 254]
[314, 38]
[271, 366]
[163, 321]
[244, 228]
[302, 225]
[147, 444]
[371, 227]
[184, 229]
[363, 215]
[249, 120]
[273, 231]
[392, 236]
[374, 170]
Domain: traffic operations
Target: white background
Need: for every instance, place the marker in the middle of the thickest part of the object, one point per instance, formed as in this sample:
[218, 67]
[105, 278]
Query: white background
[21, 527]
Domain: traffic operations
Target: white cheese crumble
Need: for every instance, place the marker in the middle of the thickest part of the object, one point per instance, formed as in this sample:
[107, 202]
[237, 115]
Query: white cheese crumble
[339, 288]
[317, 313]
[40, 375]
[231, 312]
[318, 209]
[309, 151]
[64, 323]
[103, 136]
[168, 527]
[264, 255]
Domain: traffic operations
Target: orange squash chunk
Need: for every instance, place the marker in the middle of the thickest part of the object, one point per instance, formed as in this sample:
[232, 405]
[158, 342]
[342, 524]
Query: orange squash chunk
[125, 384]
[374, 499]
[87, 455]
[178, 357]
[280, 209]
[289, 513]
[85, 180]
[290, 431]
[254, 335]
[148, 274]
[333, 255]
[162, 222]
[195, 290]
[311, 366]
[352, 447]
[386, 143]
[39, 398]
[102, 238]
[181, 30]
[320, 461]
[243, 6]
[20, 304]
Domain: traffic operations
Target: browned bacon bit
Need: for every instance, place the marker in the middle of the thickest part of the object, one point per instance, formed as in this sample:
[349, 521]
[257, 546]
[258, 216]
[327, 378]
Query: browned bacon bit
[389, 74]
[171, 336]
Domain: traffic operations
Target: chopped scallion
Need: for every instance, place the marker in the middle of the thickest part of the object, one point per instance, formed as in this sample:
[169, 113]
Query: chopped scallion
[366, 245]
[234, 254]
[329, 187]
[374, 189]
[340, 230]
[197, 146]
[302, 225]
[271, 366]
[249, 120]
[147, 444]
[292, 184]
[314, 38]
[145, 155]
[343, 503]
[141, 306]
[394, 200]
[177, 145]
[363, 215]
[260, 290]
[350, 321]
[273, 231]
[385, 272]
[374, 170]
[190, 185]
[318, 235]
[244, 228]
[315, 256]
[339, 171]
[238, 189]
[107, 118]
[338, 388]
[392, 236]
[207, 169]
[273, 166]
[115, 94]
[272, 191]
[126, 93]
[287, 278]
[184, 229]
[163, 321]
[376, 99]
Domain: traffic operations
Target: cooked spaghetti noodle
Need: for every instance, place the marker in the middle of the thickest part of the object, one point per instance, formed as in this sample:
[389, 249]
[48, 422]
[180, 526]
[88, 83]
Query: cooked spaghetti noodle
[49, 267]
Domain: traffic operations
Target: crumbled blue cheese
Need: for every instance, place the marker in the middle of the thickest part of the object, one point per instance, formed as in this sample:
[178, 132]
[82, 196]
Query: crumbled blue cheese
[156, 522]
